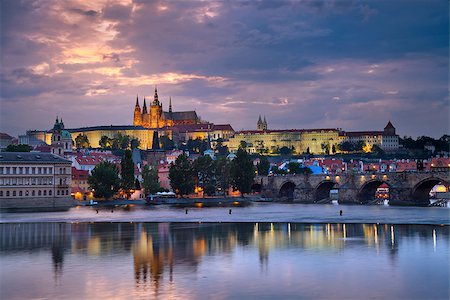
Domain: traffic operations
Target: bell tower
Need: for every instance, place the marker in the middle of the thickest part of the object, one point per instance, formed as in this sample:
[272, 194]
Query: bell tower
[137, 119]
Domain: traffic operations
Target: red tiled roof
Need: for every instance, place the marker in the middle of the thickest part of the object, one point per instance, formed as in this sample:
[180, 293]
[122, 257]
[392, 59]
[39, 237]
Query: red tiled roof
[223, 127]
[79, 174]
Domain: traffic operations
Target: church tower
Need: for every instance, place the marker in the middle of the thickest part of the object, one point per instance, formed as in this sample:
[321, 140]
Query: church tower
[264, 124]
[156, 115]
[259, 124]
[145, 116]
[137, 119]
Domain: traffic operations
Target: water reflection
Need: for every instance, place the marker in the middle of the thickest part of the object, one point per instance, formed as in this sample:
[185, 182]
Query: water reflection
[163, 252]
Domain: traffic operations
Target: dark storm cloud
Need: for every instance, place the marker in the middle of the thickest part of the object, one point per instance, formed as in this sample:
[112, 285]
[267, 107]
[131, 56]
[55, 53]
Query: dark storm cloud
[303, 64]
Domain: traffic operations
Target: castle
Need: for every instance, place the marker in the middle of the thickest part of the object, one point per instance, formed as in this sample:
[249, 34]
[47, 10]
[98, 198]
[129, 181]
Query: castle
[155, 117]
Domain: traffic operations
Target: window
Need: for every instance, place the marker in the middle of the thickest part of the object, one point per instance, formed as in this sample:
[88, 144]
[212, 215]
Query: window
[67, 192]
[1, 170]
[45, 192]
[13, 170]
[50, 192]
[1, 193]
[33, 193]
[39, 193]
[20, 193]
[14, 193]
[7, 193]
[33, 170]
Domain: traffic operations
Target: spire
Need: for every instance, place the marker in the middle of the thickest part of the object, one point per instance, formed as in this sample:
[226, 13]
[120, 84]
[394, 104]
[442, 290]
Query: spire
[170, 105]
[155, 100]
[137, 101]
[259, 119]
[144, 107]
[265, 122]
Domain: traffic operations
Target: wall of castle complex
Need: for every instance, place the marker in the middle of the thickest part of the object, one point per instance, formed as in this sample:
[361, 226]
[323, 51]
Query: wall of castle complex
[300, 141]
[145, 136]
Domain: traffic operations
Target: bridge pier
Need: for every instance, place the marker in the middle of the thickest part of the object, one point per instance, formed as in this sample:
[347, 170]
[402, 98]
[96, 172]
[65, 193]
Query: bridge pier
[304, 195]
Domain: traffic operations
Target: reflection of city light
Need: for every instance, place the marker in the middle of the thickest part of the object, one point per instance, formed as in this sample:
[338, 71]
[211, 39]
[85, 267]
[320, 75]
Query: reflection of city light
[198, 204]
[289, 230]
[345, 231]
[392, 236]
[434, 240]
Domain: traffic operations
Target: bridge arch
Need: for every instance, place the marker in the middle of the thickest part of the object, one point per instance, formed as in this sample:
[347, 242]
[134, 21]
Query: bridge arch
[421, 191]
[367, 191]
[287, 190]
[322, 190]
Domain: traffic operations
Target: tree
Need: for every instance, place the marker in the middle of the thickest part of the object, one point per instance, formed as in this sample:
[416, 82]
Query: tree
[285, 150]
[325, 148]
[359, 146]
[308, 151]
[137, 184]
[104, 180]
[18, 148]
[105, 142]
[197, 146]
[204, 171]
[155, 141]
[243, 145]
[222, 166]
[220, 148]
[346, 146]
[263, 166]
[242, 172]
[127, 172]
[294, 167]
[166, 143]
[150, 181]
[181, 176]
[82, 141]
[333, 149]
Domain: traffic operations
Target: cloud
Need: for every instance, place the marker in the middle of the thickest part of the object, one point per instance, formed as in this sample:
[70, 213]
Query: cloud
[302, 64]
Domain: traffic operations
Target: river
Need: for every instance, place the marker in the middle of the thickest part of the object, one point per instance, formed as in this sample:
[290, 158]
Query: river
[262, 251]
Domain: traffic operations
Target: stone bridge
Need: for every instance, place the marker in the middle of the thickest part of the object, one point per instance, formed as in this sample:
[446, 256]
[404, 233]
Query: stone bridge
[358, 188]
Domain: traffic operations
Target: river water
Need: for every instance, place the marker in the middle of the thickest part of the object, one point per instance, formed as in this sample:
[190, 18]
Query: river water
[257, 212]
[264, 251]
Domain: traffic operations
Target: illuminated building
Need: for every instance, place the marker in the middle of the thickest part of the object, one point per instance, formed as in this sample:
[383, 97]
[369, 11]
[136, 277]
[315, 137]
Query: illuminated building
[32, 180]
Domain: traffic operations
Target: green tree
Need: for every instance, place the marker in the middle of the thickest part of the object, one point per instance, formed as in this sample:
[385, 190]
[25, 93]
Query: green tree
[243, 145]
[242, 172]
[18, 148]
[82, 141]
[333, 149]
[150, 181]
[294, 168]
[105, 142]
[222, 166]
[104, 180]
[197, 146]
[220, 148]
[346, 146]
[204, 171]
[263, 166]
[359, 145]
[181, 176]
[127, 172]
[166, 143]
[285, 150]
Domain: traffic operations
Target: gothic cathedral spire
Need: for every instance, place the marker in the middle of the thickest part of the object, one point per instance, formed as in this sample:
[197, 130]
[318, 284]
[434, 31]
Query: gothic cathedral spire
[170, 105]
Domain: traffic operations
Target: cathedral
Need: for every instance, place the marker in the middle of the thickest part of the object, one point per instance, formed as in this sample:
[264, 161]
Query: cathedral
[155, 117]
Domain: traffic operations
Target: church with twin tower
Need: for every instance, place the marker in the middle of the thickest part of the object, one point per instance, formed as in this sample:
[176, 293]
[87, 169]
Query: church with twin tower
[155, 117]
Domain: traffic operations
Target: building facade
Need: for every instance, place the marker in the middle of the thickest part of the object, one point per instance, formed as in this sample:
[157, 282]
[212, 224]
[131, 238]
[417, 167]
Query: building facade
[155, 117]
[314, 141]
[34, 178]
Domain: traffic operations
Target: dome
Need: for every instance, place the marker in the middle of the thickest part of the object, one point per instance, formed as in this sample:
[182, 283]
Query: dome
[66, 134]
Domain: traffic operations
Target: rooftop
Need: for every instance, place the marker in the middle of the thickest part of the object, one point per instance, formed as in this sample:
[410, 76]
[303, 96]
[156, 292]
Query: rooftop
[31, 157]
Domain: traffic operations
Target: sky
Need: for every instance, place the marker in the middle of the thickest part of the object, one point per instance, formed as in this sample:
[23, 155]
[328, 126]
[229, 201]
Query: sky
[303, 64]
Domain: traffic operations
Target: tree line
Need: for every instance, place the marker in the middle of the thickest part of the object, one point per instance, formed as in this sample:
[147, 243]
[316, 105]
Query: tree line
[212, 176]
